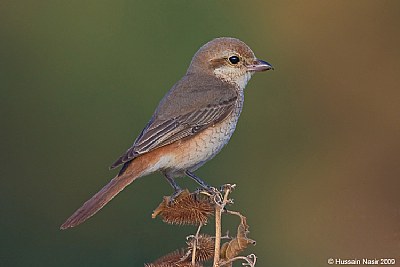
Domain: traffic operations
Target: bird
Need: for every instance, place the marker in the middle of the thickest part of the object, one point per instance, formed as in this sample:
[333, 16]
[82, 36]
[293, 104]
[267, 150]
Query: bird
[192, 123]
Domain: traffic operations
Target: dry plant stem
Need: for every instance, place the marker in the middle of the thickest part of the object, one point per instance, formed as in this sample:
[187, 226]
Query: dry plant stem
[217, 235]
[251, 260]
[196, 238]
[234, 213]
[218, 212]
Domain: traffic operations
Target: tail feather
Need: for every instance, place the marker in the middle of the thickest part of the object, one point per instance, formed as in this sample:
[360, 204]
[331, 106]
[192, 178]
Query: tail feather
[99, 200]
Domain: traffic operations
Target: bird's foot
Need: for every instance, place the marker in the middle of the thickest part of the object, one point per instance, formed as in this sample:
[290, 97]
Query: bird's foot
[174, 196]
[207, 190]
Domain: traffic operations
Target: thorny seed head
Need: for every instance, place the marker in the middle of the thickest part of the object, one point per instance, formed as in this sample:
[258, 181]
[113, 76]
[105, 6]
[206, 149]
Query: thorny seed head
[204, 247]
[187, 208]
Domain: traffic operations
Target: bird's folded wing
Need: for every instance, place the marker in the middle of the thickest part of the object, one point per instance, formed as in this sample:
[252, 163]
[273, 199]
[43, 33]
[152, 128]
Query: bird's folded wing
[193, 104]
[160, 133]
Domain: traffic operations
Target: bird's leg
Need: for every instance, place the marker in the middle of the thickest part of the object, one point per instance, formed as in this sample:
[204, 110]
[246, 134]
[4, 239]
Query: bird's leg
[199, 181]
[177, 188]
[172, 182]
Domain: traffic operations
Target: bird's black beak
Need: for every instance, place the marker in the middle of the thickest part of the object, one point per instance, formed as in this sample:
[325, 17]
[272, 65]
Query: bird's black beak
[259, 65]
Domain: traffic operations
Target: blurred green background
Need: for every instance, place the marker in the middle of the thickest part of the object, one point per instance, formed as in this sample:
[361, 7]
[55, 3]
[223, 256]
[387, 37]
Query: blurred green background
[315, 155]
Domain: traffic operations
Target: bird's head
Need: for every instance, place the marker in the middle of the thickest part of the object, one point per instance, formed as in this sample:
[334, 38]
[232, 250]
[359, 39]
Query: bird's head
[228, 59]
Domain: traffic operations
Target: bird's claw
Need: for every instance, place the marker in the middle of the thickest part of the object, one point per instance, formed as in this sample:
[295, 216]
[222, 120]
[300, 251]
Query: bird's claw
[209, 191]
[173, 197]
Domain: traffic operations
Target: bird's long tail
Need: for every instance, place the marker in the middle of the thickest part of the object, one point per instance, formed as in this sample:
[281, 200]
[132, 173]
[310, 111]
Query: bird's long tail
[99, 200]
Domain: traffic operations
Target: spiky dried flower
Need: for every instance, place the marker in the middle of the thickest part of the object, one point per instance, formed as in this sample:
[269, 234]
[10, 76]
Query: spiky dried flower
[173, 257]
[186, 208]
[204, 247]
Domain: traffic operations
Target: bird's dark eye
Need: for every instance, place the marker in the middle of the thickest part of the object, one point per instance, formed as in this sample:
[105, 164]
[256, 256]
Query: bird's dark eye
[234, 59]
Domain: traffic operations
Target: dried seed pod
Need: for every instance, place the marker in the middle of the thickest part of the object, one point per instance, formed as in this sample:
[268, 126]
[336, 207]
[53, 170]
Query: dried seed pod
[173, 257]
[204, 247]
[187, 208]
[232, 248]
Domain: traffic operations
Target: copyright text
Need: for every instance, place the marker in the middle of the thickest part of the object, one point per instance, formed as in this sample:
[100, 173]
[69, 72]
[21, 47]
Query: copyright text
[364, 261]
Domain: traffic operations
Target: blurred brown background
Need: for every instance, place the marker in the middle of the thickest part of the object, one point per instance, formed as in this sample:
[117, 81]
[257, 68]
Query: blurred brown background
[315, 155]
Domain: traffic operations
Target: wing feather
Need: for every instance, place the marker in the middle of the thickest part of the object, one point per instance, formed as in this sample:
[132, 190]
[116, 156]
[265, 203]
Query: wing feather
[162, 133]
[169, 125]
